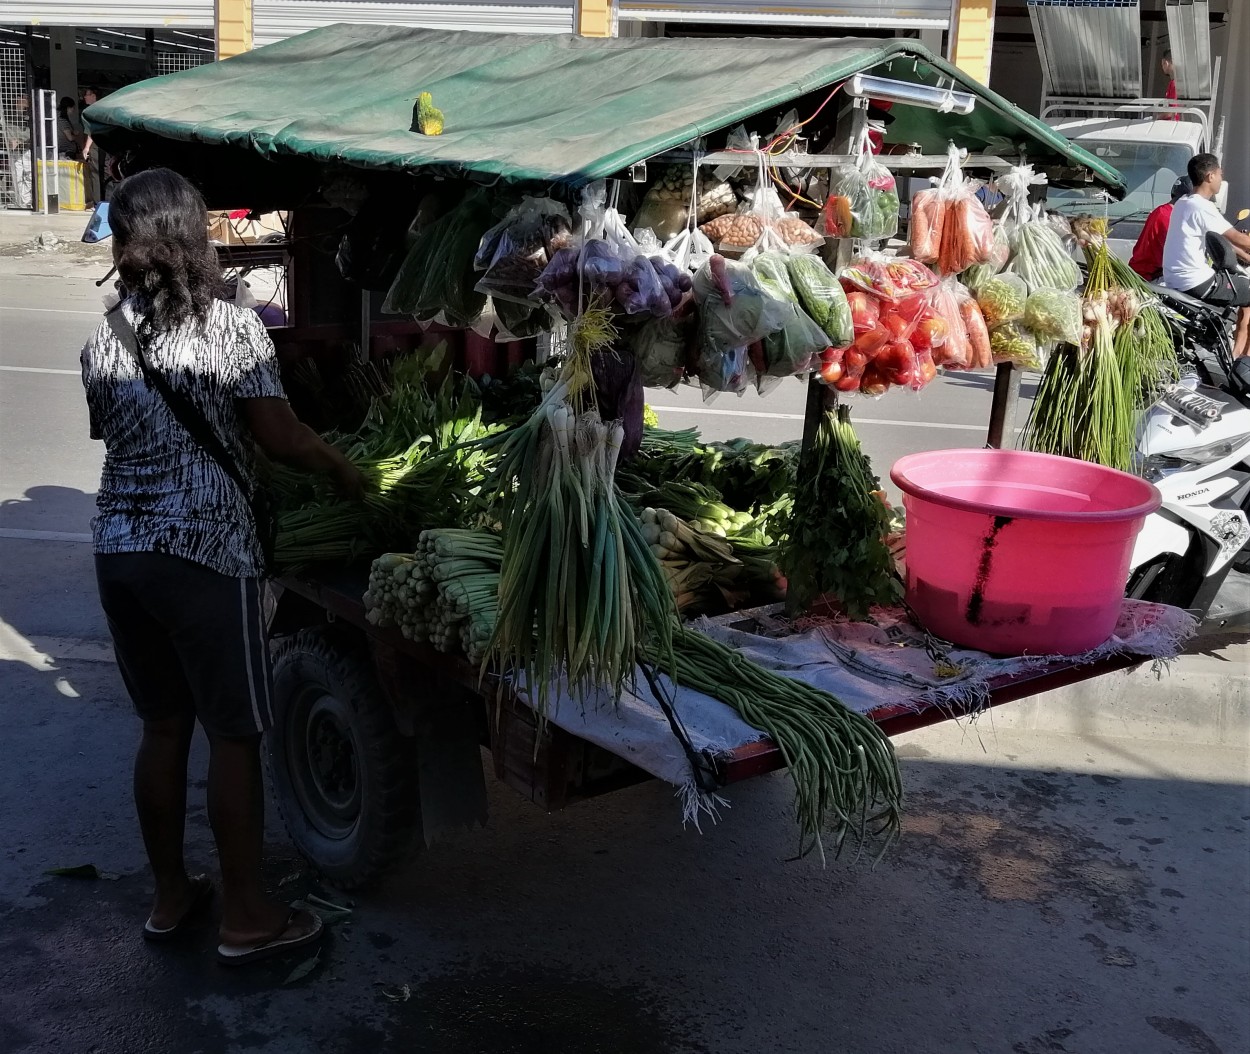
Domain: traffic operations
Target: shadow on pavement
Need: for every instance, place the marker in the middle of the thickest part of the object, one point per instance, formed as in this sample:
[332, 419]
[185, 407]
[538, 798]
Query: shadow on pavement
[1026, 910]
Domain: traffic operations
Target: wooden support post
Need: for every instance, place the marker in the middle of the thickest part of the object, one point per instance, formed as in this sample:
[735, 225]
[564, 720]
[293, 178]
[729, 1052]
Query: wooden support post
[1002, 434]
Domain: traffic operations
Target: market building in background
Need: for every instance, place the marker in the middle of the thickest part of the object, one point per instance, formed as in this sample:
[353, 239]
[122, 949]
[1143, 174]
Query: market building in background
[44, 43]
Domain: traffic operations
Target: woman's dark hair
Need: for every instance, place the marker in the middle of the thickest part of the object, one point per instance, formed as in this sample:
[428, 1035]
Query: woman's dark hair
[66, 104]
[162, 251]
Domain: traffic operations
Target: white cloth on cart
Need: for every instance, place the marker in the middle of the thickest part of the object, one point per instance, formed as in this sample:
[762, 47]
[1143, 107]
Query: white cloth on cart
[867, 666]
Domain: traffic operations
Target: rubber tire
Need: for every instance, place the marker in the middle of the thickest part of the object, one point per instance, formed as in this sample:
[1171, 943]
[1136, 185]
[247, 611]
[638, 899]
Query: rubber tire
[388, 814]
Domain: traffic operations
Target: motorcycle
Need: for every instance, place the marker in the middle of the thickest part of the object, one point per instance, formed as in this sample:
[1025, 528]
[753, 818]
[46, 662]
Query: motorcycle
[1194, 445]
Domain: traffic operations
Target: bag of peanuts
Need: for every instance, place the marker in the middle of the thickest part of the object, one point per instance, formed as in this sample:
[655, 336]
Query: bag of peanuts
[762, 212]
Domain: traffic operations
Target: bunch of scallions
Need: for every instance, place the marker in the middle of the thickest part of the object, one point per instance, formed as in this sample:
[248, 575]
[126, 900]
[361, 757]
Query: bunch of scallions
[1083, 408]
[583, 602]
[579, 591]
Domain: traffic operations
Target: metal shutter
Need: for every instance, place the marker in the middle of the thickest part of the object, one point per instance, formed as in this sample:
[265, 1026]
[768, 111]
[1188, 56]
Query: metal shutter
[274, 20]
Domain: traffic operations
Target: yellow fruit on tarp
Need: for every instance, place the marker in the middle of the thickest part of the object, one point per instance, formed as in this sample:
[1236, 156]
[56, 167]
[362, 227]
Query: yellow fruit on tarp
[428, 118]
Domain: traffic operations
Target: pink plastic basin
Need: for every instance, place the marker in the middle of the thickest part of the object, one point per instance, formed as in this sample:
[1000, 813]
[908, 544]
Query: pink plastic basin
[1017, 553]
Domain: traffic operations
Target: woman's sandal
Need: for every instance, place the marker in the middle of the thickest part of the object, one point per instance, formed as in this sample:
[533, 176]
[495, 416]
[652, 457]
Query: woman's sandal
[278, 944]
[201, 897]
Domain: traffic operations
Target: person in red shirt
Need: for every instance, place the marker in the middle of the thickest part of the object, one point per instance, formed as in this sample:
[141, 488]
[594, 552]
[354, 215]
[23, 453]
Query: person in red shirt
[1147, 258]
[1169, 71]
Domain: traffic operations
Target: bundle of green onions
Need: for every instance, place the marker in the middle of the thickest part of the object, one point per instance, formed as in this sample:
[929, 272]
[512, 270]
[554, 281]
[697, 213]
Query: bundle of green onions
[444, 594]
[579, 590]
[1084, 408]
[843, 766]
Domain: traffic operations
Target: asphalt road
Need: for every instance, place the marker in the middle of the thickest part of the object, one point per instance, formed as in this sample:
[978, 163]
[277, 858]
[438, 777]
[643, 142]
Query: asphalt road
[1056, 891]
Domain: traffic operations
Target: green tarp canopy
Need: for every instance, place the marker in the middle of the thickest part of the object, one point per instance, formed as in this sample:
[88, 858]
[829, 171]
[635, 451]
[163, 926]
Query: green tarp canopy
[546, 108]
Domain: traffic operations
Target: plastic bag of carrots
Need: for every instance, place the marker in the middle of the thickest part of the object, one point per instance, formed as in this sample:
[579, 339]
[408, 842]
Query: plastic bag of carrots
[949, 225]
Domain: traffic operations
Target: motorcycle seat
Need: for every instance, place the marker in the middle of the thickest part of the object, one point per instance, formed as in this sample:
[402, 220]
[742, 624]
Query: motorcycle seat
[1182, 298]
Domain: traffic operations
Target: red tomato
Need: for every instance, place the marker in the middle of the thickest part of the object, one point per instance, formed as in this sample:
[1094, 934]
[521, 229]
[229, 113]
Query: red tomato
[897, 362]
[925, 370]
[847, 383]
[873, 381]
[897, 325]
[865, 312]
[832, 355]
[930, 332]
[912, 306]
[854, 361]
[831, 372]
[868, 344]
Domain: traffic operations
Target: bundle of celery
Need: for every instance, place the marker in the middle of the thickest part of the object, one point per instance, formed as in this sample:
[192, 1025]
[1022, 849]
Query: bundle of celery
[1089, 397]
[835, 544]
[446, 593]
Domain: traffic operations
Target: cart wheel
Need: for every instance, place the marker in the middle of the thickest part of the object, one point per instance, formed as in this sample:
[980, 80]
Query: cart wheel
[344, 777]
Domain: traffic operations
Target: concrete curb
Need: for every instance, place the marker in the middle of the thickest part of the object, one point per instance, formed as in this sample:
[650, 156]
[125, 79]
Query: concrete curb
[1199, 699]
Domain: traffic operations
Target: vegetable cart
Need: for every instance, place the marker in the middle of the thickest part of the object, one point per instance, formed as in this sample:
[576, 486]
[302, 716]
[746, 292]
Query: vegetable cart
[377, 735]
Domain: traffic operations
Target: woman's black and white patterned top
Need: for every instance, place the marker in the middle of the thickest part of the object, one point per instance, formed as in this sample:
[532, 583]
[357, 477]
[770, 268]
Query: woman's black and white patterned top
[159, 491]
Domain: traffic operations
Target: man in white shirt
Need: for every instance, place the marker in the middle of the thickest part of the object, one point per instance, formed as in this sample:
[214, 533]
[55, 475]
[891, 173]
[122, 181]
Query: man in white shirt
[1186, 266]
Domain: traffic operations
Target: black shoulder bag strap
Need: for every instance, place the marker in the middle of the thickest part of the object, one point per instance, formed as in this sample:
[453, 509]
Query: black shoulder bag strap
[188, 415]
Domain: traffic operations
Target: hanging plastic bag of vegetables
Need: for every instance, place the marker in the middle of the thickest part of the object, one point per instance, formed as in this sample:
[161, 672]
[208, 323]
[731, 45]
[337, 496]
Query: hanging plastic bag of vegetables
[862, 201]
[661, 347]
[949, 225]
[797, 345]
[1039, 257]
[762, 211]
[1053, 316]
[822, 297]
[735, 312]
[1011, 342]
[514, 252]
[980, 353]
[605, 265]
[1002, 299]
[438, 279]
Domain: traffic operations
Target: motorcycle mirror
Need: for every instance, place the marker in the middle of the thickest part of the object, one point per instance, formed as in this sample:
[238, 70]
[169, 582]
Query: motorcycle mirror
[98, 228]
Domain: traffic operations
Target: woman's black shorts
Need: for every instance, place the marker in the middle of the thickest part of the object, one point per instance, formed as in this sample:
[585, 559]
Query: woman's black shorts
[187, 640]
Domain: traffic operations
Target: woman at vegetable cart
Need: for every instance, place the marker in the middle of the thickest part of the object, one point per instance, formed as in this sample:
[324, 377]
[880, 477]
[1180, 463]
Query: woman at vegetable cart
[173, 375]
[1185, 263]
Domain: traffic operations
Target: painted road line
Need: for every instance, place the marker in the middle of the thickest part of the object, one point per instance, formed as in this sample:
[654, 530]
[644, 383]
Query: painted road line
[19, 535]
[40, 369]
[799, 417]
[53, 310]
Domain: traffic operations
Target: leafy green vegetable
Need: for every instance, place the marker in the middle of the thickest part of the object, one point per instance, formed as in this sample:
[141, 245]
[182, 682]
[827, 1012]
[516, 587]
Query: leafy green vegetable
[835, 541]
